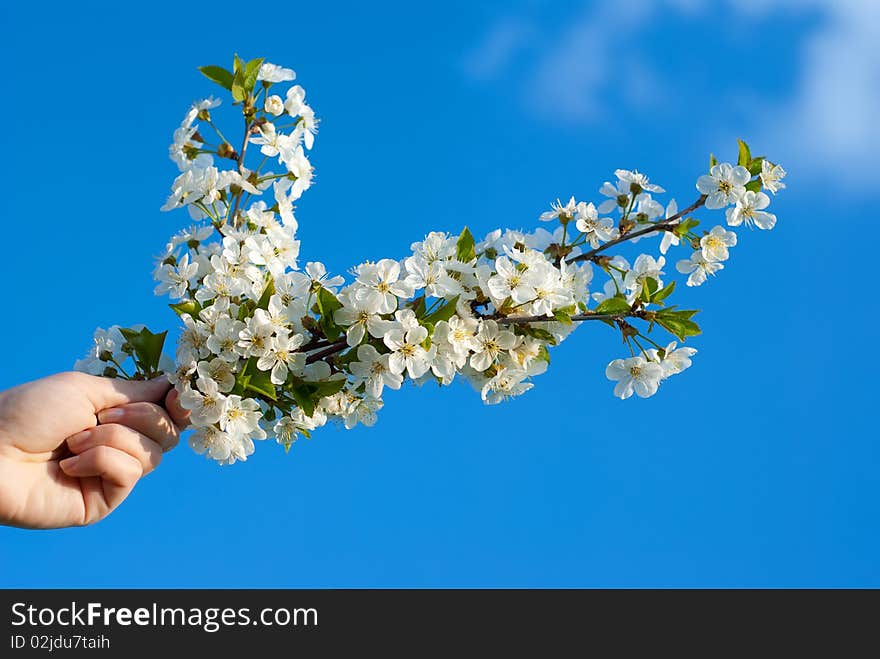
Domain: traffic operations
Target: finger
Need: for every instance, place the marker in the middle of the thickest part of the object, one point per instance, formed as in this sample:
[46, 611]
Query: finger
[179, 415]
[117, 470]
[110, 392]
[123, 438]
[148, 419]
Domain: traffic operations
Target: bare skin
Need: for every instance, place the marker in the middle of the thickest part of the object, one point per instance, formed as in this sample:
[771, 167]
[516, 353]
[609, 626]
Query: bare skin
[72, 446]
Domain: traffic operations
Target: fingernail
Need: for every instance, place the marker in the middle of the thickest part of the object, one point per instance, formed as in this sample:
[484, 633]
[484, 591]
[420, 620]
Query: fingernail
[112, 414]
[68, 463]
[79, 438]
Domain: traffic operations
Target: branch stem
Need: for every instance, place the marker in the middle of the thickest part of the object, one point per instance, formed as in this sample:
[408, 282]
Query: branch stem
[665, 225]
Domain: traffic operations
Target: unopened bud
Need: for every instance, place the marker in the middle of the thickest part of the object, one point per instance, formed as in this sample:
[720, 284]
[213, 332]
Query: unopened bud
[225, 150]
[627, 330]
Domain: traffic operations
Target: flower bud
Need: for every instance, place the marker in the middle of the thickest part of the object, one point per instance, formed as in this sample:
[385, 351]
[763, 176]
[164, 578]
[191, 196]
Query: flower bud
[225, 150]
[626, 329]
[274, 105]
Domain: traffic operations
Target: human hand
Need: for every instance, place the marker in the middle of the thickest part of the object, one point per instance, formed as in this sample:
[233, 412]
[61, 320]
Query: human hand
[72, 446]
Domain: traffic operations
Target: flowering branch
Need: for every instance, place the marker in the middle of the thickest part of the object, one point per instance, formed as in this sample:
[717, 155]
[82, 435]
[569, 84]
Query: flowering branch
[666, 225]
[270, 349]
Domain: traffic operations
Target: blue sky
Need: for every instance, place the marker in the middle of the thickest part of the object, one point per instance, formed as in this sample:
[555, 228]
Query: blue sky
[755, 468]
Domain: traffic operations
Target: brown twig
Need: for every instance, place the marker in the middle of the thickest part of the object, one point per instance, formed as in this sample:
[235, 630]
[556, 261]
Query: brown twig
[665, 225]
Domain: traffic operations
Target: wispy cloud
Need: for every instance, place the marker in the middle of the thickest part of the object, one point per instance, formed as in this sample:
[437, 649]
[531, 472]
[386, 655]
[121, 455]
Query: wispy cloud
[827, 120]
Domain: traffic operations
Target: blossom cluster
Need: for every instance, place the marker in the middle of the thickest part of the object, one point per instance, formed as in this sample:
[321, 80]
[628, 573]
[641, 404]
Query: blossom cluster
[272, 349]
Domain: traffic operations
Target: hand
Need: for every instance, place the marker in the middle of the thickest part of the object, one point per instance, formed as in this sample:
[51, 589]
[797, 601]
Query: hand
[72, 446]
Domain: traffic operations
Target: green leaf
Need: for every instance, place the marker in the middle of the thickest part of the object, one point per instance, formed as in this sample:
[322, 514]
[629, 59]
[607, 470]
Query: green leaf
[745, 154]
[217, 74]
[444, 312]
[418, 306]
[307, 394]
[663, 293]
[327, 305]
[190, 307]
[261, 383]
[682, 228]
[712, 160]
[562, 316]
[616, 304]
[465, 247]
[147, 349]
[677, 322]
[304, 399]
[679, 327]
[756, 165]
[649, 287]
[238, 91]
[538, 333]
[268, 292]
[754, 186]
[544, 354]
[674, 312]
[251, 70]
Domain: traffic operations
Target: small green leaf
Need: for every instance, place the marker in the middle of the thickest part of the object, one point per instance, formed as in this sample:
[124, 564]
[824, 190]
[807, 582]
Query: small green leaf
[217, 74]
[544, 354]
[538, 333]
[683, 227]
[465, 247]
[251, 70]
[616, 304]
[756, 165]
[147, 349]
[712, 160]
[238, 90]
[677, 322]
[190, 307]
[268, 292]
[754, 186]
[261, 383]
[663, 293]
[444, 312]
[327, 305]
[418, 306]
[649, 287]
[563, 317]
[745, 154]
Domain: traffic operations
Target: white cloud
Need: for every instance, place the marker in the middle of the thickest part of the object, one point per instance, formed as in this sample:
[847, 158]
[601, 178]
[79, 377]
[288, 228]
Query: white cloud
[827, 123]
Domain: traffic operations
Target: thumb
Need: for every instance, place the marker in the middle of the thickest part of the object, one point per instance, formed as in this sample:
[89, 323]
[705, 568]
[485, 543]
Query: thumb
[108, 392]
